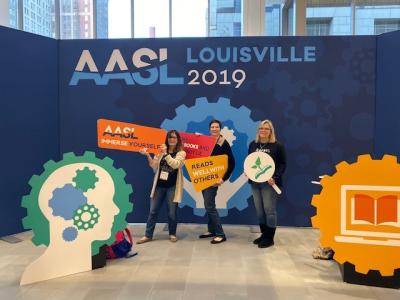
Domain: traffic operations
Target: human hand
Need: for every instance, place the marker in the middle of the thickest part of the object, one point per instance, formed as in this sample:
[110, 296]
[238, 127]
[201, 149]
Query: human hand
[163, 148]
[218, 183]
[143, 151]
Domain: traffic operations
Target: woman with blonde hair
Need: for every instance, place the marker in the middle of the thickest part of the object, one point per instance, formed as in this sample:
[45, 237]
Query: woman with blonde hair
[265, 197]
[167, 184]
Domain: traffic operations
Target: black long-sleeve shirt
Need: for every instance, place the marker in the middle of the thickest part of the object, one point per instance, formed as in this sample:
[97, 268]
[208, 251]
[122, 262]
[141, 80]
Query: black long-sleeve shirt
[277, 152]
[225, 148]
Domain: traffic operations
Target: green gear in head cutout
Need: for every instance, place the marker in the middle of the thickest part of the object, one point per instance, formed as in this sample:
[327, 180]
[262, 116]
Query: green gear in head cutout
[86, 217]
[85, 179]
[35, 218]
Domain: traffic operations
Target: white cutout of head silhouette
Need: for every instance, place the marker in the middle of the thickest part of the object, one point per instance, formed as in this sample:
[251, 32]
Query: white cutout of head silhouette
[64, 257]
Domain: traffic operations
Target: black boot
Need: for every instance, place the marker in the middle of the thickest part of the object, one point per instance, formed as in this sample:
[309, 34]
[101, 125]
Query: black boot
[268, 241]
[263, 228]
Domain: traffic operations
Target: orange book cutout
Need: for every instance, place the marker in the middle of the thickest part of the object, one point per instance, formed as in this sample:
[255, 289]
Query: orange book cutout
[128, 136]
[376, 211]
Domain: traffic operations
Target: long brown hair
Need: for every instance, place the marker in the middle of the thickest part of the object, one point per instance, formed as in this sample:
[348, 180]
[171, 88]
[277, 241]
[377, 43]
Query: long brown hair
[179, 145]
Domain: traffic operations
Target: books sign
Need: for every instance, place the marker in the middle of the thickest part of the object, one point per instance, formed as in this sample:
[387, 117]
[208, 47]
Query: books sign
[196, 145]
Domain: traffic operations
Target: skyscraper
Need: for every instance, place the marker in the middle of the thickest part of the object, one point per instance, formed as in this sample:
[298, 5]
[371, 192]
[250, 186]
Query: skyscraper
[76, 19]
[225, 18]
[37, 16]
[102, 19]
[13, 13]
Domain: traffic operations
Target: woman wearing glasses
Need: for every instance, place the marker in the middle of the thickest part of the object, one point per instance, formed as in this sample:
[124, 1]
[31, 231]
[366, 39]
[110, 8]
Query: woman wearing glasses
[167, 184]
[264, 195]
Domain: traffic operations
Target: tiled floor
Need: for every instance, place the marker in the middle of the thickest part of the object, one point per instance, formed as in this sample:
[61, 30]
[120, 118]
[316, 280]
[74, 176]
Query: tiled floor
[194, 269]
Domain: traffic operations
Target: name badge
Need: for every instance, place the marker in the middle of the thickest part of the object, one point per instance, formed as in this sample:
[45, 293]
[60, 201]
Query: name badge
[164, 175]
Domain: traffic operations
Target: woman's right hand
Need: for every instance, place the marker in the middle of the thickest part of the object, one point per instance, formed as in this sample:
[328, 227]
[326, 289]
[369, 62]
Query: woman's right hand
[144, 151]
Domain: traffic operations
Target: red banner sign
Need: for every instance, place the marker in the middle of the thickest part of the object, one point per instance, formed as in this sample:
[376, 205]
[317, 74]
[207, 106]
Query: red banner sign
[196, 145]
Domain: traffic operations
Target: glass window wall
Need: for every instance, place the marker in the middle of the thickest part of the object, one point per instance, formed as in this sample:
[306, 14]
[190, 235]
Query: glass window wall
[151, 18]
[386, 25]
[38, 17]
[119, 19]
[189, 18]
[76, 19]
[13, 8]
[318, 26]
[225, 18]
[376, 17]
[338, 12]
[273, 17]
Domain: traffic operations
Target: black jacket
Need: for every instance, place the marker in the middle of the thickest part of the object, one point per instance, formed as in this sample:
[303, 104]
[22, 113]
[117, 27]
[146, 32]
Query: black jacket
[225, 148]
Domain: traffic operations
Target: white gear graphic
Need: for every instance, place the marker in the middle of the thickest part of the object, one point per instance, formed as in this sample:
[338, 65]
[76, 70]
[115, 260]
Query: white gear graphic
[230, 194]
[229, 135]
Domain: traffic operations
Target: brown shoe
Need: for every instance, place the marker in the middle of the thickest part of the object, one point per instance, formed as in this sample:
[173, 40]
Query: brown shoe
[143, 240]
[173, 238]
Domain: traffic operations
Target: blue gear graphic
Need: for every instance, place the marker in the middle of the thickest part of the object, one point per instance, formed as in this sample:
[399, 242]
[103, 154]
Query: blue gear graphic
[70, 234]
[66, 200]
[221, 110]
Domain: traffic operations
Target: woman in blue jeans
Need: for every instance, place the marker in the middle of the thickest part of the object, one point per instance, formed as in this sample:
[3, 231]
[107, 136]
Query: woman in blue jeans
[167, 184]
[214, 223]
[264, 195]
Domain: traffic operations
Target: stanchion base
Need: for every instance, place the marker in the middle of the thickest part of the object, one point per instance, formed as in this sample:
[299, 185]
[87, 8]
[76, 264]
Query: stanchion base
[372, 278]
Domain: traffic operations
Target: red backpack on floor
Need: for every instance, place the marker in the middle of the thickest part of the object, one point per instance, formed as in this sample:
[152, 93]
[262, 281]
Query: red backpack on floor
[121, 247]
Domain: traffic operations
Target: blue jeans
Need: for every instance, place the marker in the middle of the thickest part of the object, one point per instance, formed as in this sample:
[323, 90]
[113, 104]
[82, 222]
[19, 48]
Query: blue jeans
[265, 202]
[161, 194]
[214, 222]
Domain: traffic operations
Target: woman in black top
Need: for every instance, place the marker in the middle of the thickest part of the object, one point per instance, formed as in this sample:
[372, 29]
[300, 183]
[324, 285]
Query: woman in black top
[214, 223]
[264, 195]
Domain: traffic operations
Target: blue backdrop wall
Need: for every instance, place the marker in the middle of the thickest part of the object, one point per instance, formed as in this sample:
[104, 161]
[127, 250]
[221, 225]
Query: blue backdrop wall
[319, 92]
[28, 117]
[387, 94]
